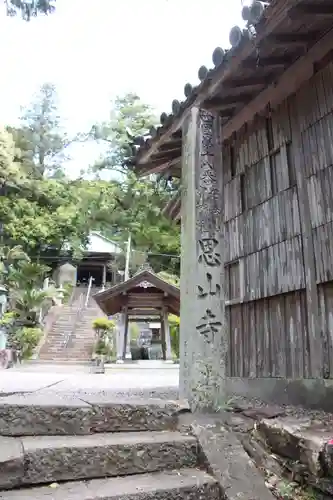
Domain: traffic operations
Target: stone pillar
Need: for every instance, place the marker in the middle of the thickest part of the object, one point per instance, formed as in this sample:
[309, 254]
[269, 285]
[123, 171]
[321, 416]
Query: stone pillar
[203, 344]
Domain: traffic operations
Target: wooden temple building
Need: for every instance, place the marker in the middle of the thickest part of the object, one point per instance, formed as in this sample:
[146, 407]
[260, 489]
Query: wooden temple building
[98, 263]
[253, 144]
[144, 297]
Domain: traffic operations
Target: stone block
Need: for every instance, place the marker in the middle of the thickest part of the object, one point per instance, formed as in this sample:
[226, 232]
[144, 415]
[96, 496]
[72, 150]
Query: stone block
[62, 458]
[301, 440]
[134, 415]
[225, 457]
[40, 414]
[11, 462]
[187, 484]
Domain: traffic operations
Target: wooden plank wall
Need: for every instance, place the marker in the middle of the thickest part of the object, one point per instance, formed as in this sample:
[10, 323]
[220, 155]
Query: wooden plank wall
[265, 274]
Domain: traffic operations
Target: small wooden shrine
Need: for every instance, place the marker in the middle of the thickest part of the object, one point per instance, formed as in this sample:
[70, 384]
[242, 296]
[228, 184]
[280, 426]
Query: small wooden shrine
[144, 297]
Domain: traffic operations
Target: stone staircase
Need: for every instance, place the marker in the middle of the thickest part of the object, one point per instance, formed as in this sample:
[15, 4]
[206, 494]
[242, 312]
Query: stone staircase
[71, 337]
[97, 450]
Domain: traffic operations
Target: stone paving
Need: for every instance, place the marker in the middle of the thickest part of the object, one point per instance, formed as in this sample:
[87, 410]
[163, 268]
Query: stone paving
[155, 380]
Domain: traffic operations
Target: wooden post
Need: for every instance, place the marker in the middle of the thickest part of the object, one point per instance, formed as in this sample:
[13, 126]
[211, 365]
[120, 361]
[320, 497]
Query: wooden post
[125, 333]
[163, 336]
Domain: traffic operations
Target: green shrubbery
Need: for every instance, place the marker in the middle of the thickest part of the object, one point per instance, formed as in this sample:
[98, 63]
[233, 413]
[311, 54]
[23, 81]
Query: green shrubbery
[23, 280]
[174, 322]
[105, 344]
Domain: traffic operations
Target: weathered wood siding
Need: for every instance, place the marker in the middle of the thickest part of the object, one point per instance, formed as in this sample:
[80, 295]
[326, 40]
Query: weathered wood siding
[275, 327]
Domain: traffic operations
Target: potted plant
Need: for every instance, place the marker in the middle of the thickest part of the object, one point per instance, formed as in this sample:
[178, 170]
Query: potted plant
[104, 345]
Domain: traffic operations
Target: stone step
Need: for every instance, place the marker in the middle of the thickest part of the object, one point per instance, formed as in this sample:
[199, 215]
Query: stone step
[49, 459]
[189, 484]
[34, 414]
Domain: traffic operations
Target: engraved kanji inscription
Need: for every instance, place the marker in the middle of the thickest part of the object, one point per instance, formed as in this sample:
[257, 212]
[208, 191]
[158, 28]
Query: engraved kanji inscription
[207, 143]
[208, 253]
[208, 326]
[211, 290]
[207, 179]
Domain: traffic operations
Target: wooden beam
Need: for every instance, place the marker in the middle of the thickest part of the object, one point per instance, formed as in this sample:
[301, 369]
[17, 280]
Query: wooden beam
[225, 113]
[292, 39]
[177, 143]
[157, 166]
[311, 9]
[166, 154]
[249, 82]
[144, 312]
[290, 81]
[267, 62]
[227, 103]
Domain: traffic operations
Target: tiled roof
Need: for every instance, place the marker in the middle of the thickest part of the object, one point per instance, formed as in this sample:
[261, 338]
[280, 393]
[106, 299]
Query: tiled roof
[277, 33]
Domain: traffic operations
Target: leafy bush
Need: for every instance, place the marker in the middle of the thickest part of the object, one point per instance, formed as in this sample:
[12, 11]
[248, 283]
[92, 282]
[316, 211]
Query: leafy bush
[103, 325]
[174, 322]
[102, 348]
[27, 340]
[104, 329]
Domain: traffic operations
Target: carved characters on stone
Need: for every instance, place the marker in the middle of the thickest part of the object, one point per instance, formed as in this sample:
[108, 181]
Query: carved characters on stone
[209, 325]
[210, 290]
[207, 142]
[208, 253]
[207, 190]
[208, 223]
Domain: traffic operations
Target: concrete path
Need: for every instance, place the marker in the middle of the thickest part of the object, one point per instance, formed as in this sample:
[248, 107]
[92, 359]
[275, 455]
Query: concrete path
[124, 379]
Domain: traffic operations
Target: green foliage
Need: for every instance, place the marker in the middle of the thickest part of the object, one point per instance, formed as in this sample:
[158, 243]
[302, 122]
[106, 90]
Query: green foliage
[27, 339]
[29, 9]
[104, 329]
[45, 213]
[67, 290]
[174, 322]
[136, 204]
[103, 324]
[23, 280]
[169, 278]
[41, 130]
[102, 348]
[129, 117]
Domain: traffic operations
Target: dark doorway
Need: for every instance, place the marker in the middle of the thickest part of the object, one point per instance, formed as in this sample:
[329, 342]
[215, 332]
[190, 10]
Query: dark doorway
[84, 273]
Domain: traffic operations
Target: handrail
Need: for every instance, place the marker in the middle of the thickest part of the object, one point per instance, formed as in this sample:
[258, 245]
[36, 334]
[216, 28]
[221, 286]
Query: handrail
[89, 290]
[76, 318]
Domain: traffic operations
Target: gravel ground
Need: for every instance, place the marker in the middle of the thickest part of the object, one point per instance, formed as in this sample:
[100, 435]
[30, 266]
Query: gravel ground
[291, 411]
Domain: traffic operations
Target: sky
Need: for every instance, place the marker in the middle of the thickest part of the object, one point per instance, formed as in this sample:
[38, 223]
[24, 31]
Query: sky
[94, 50]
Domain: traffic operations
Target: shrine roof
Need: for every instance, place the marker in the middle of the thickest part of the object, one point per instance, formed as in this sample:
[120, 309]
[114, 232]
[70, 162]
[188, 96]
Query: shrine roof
[264, 57]
[148, 289]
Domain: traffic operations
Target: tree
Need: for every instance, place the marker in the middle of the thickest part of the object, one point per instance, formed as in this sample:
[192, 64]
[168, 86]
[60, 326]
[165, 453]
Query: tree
[137, 203]
[47, 214]
[41, 133]
[37, 213]
[129, 117]
[29, 8]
